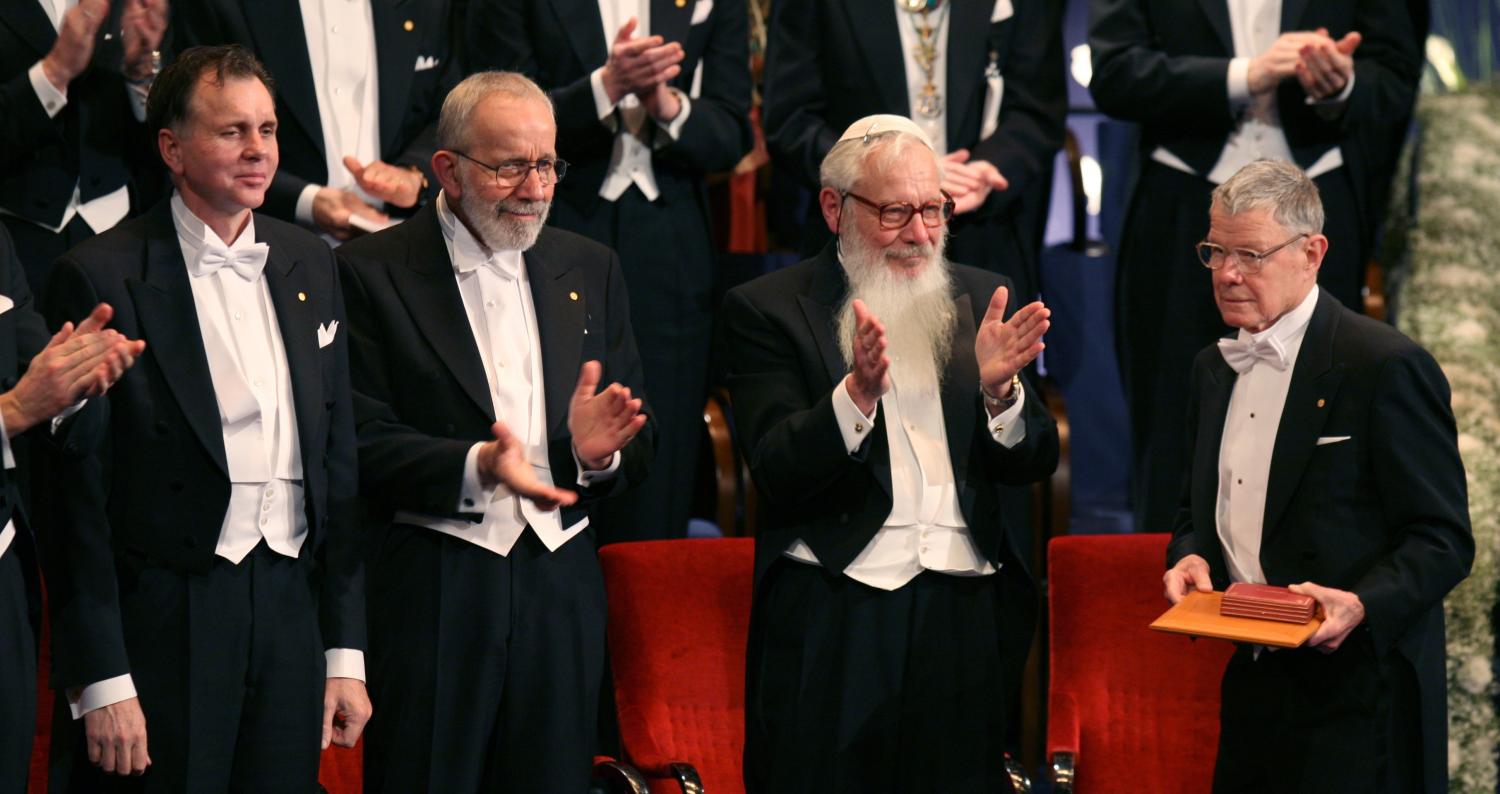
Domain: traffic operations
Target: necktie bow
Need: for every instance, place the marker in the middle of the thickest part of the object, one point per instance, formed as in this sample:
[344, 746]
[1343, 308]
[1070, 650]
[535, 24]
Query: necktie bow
[1241, 354]
[475, 261]
[247, 261]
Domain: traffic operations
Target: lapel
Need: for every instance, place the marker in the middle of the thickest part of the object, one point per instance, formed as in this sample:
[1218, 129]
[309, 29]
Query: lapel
[820, 307]
[878, 37]
[397, 48]
[1291, 14]
[585, 28]
[287, 280]
[286, 57]
[671, 20]
[562, 306]
[1217, 12]
[427, 286]
[169, 324]
[960, 389]
[1213, 409]
[968, 37]
[30, 22]
[1315, 382]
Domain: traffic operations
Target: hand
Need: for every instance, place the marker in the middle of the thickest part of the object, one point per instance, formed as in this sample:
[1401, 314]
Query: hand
[392, 184]
[333, 207]
[601, 424]
[142, 23]
[1190, 573]
[74, 46]
[1326, 66]
[870, 378]
[969, 182]
[503, 462]
[116, 737]
[637, 66]
[1279, 62]
[662, 103]
[1342, 612]
[1004, 347]
[346, 709]
[75, 364]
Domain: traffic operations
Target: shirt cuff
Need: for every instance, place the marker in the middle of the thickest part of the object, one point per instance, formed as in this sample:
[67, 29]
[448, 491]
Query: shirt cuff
[305, 205]
[137, 93]
[472, 495]
[1238, 82]
[1007, 429]
[604, 108]
[669, 133]
[854, 426]
[57, 421]
[587, 477]
[345, 663]
[52, 99]
[103, 693]
[1338, 100]
[10, 458]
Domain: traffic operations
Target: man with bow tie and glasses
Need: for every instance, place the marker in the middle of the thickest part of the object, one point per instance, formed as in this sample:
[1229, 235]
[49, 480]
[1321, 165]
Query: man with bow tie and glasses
[204, 576]
[1324, 458]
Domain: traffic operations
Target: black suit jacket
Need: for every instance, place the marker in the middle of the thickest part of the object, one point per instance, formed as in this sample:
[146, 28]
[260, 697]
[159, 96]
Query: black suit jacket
[1163, 63]
[409, 100]
[559, 43]
[1383, 515]
[156, 492]
[421, 395]
[784, 364]
[95, 135]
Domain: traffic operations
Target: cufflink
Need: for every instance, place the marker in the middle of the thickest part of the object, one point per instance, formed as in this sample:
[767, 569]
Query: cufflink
[859, 427]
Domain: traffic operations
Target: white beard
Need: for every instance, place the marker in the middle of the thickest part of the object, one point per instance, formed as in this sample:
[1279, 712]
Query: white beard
[917, 311]
[496, 227]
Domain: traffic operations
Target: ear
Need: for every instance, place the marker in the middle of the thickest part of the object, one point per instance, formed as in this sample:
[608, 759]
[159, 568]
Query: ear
[831, 202]
[170, 149]
[1316, 247]
[445, 167]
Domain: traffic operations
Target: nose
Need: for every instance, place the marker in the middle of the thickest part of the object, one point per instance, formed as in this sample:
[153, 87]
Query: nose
[915, 231]
[531, 188]
[256, 145]
[1229, 273]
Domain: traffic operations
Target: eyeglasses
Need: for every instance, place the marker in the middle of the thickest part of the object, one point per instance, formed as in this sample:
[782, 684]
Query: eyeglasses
[1246, 261]
[897, 214]
[513, 172]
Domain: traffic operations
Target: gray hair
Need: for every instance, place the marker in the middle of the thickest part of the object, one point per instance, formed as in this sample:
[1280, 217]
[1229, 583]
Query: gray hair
[458, 108]
[1277, 186]
[851, 159]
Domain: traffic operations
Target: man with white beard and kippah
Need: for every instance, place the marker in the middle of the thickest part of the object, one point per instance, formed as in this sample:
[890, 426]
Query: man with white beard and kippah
[880, 398]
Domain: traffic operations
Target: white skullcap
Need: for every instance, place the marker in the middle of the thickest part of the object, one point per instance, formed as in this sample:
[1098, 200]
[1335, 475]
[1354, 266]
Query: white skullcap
[884, 122]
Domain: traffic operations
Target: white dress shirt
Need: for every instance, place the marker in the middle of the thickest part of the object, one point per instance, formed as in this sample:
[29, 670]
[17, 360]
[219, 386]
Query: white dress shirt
[926, 528]
[1250, 427]
[252, 383]
[103, 212]
[341, 49]
[8, 534]
[1255, 25]
[636, 133]
[496, 294]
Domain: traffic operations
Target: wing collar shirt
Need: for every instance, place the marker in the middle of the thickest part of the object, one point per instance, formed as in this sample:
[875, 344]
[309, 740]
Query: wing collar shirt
[1250, 426]
[636, 133]
[496, 294]
[252, 383]
[341, 50]
[1255, 25]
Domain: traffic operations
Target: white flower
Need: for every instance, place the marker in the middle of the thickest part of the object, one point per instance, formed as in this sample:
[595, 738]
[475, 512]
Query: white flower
[1476, 674]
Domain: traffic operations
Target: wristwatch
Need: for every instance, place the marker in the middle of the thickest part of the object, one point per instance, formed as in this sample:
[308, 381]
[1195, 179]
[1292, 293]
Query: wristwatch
[998, 403]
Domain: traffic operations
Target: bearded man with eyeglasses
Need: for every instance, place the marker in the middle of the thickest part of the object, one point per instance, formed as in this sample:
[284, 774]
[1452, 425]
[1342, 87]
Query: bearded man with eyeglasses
[480, 342]
[879, 398]
[1323, 457]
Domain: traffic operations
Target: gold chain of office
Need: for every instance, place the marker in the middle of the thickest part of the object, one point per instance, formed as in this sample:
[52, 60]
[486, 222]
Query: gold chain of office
[925, 22]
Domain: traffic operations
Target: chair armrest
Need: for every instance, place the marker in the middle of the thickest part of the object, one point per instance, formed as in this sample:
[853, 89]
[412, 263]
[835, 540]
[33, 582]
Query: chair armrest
[1019, 782]
[620, 776]
[1062, 741]
[687, 777]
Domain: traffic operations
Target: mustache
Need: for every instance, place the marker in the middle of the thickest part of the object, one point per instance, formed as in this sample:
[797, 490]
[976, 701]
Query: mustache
[908, 251]
[520, 207]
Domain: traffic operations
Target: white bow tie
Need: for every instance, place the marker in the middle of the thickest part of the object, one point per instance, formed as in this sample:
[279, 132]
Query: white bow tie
[248, 261]
[1241, 354]
[472, 262]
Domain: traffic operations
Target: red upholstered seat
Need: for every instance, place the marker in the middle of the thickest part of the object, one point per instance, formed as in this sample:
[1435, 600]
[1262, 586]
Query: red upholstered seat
[679, 614]
[1138, 708]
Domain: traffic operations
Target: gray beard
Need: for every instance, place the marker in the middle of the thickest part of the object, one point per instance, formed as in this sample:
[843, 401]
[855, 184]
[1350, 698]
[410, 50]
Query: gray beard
[917, 312]
[497, 228]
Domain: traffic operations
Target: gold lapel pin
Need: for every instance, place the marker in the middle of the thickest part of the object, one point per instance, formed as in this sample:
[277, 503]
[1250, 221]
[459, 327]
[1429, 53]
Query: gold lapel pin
[302, 296]
[573, 296]
[1320, 403]
[409, 25]
[681, 3]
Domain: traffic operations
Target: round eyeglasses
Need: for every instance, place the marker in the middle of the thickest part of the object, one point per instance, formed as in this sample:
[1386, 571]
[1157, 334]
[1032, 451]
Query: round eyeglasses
[1246, 261]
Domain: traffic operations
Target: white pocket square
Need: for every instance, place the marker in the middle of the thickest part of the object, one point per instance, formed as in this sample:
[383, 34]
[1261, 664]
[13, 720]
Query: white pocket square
[1003, 11]
[326, 333]
[701, 10]
[425, 62]
[6, 304]
[1332, 439]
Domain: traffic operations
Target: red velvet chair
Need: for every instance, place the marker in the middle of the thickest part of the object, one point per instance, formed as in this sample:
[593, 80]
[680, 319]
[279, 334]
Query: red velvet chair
[679, 615]
[1129, 709]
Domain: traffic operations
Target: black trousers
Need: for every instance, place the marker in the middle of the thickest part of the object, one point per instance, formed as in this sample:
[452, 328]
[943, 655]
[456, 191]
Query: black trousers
[1302, 721]
[17, 677]
[229, 668]
[668, 260]
[1166, 314]
[484, 670]
[852, 688]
